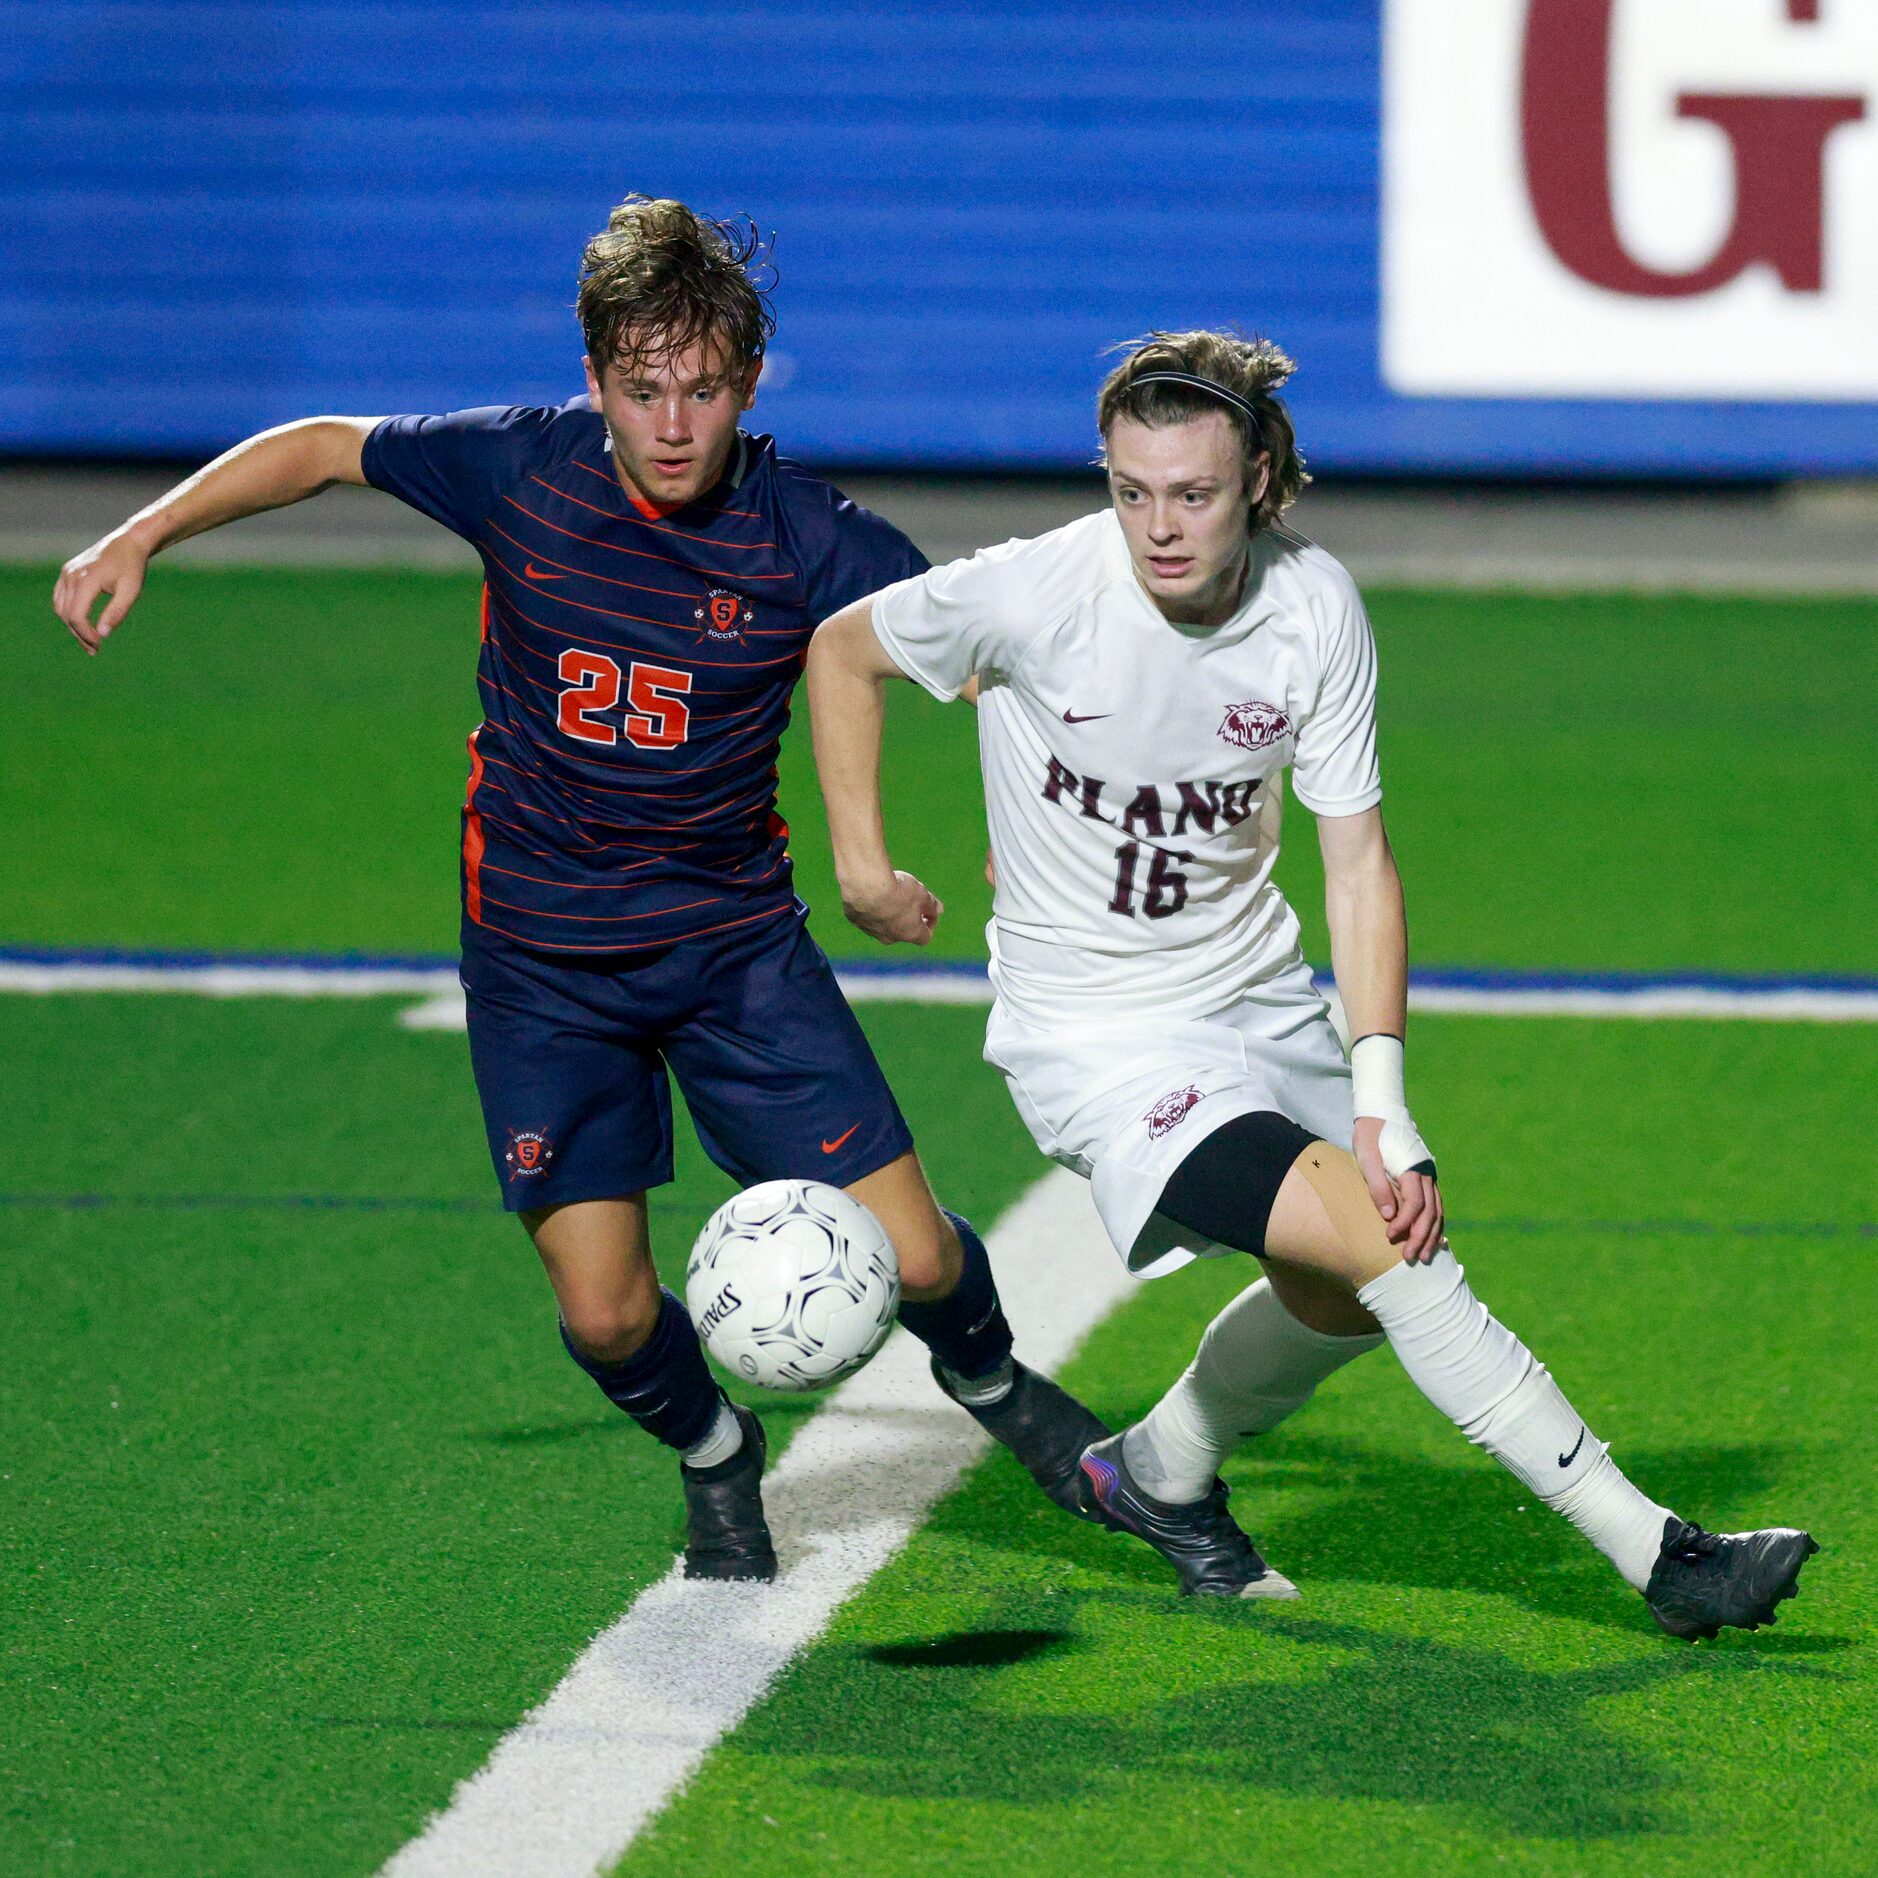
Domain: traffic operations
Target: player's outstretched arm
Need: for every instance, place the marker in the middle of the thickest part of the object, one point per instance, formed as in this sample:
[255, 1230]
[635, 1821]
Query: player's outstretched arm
[1369, 953]
[847, 670]
[267, 472]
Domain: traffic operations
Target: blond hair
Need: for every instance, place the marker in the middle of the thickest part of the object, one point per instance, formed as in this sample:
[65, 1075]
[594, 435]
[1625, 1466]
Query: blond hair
[1251, 369]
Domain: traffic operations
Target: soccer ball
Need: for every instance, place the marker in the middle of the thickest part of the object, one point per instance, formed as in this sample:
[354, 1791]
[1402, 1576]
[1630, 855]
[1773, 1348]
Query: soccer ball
[792, 1284]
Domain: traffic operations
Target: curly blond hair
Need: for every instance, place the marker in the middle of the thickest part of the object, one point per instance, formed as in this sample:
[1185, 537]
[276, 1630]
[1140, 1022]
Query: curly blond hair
[1251, 368]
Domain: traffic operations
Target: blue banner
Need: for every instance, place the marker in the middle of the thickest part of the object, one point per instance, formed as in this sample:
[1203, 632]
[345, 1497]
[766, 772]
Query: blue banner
[219, 217]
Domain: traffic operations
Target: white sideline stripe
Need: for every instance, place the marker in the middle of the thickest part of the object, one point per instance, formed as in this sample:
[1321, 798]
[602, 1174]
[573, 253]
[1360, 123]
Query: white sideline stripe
[1801, 1005]
[569, 1788]
[232, 981]
[442, 1006]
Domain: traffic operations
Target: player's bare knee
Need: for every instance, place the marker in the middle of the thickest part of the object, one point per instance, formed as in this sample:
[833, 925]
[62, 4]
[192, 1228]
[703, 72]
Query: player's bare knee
[610, 1326]
[930, 1259]
[924, 1243]
[1325, 1221]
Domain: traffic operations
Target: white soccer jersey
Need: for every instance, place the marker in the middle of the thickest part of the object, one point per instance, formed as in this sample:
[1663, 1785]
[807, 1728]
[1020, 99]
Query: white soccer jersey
[1133, 768]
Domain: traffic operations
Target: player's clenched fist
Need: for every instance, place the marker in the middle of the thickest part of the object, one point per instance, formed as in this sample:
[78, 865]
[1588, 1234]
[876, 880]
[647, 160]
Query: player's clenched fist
[899, 909]
[113, 566]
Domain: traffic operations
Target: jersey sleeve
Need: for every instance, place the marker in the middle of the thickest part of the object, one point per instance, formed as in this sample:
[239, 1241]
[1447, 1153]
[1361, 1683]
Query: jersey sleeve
[454, 468]
[1333, 768]
[964, 620]
[858, 553]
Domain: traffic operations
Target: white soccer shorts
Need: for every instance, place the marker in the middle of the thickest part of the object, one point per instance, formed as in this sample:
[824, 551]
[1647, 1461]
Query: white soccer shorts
[1124, 1102]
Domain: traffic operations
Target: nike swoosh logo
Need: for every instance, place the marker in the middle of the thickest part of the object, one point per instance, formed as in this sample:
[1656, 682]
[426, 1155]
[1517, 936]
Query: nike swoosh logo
[828, 1147]
[535, 573]
[1565, 1460]
[1085, 717]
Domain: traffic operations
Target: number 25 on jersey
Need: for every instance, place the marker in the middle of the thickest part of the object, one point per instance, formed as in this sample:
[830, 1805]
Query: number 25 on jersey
[657, 717]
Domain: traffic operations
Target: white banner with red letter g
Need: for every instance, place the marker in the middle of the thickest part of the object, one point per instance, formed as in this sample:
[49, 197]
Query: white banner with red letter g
[1631, 198]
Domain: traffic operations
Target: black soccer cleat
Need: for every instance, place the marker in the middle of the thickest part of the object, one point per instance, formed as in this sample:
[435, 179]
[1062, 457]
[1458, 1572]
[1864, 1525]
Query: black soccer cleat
[1043, 1425]
[726, 1535]
[1202, 1541]
[1705, 1582]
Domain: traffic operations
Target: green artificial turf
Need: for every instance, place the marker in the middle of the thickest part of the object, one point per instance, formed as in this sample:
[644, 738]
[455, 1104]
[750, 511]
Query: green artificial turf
[302, 1504]
[1464, 1685]
[267, 760]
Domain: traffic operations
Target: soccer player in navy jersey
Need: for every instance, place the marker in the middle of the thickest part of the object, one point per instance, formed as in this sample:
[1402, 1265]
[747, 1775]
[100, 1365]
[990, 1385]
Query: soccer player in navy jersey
[653, 576]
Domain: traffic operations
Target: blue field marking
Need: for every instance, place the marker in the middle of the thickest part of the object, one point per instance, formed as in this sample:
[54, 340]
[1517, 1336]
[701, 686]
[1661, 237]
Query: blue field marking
[277, 1203]
[431, 1203]
[78, 959]
[913, 978]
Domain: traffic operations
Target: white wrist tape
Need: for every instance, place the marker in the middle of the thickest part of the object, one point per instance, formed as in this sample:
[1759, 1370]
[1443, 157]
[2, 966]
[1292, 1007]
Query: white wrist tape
[1376, 1077]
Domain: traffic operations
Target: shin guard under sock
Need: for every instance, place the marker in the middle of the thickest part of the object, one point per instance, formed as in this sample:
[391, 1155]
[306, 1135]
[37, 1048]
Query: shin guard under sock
[1472, 1368]
[1255, 1365]
[966, 1329]
[664, 1385]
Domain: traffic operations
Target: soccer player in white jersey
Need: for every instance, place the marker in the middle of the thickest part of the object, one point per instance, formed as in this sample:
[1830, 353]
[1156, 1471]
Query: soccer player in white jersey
[1143, 678]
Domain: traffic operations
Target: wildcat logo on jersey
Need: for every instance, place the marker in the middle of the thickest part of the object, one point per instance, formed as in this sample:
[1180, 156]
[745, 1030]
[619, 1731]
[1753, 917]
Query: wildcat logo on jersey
[1255, 725]
[1172, 1110]
[723, 614]
[529, 1152]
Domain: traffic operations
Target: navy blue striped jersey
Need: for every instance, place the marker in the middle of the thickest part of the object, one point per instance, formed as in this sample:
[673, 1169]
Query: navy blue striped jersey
[636, 669]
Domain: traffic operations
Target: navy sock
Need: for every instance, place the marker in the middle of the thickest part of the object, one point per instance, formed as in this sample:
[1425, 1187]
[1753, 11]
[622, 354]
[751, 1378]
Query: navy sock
[966, 1329]
[664, 1385]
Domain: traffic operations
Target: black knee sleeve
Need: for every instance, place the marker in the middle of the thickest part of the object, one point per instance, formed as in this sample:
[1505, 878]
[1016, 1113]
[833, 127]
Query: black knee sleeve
[1226, 1186]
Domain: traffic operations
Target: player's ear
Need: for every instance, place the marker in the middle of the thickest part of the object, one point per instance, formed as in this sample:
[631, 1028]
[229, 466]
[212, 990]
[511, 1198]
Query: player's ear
[750, 381]
[1260, 480]
[593, 379]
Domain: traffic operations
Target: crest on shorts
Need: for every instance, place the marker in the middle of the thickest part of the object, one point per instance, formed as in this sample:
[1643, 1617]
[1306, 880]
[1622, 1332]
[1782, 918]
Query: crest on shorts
[1172, 1110]
[1254, 725]
[529, 1152]
[723, 614]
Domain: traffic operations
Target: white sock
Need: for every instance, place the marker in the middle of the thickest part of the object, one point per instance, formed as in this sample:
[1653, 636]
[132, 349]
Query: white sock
[721, 1441]
[1503, 1399]
[1255, 1365]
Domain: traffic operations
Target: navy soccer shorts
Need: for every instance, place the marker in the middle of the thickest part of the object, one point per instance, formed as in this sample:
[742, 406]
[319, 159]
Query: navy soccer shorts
[571, 1058]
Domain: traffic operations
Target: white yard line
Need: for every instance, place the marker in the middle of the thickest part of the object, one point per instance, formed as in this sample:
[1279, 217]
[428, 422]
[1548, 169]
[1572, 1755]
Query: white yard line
[55, 977]
[1796, 1004]
[569, 1789]
[442, 996]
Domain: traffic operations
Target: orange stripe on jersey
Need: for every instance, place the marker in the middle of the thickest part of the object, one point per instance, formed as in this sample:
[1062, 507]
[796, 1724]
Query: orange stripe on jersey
[664, 939]
[642, 619]
[736, 547]
[743, 515]
[582, 886]
[568, 567]
[473, 837]
[652, 511]
[638, 619]
[607, 919]
[613, 547]
[482, 634]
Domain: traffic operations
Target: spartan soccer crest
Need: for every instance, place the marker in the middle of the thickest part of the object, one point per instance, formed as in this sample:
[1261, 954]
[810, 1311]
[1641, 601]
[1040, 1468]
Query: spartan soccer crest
[723, 614]
[1254, 725]
[529, 1152]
